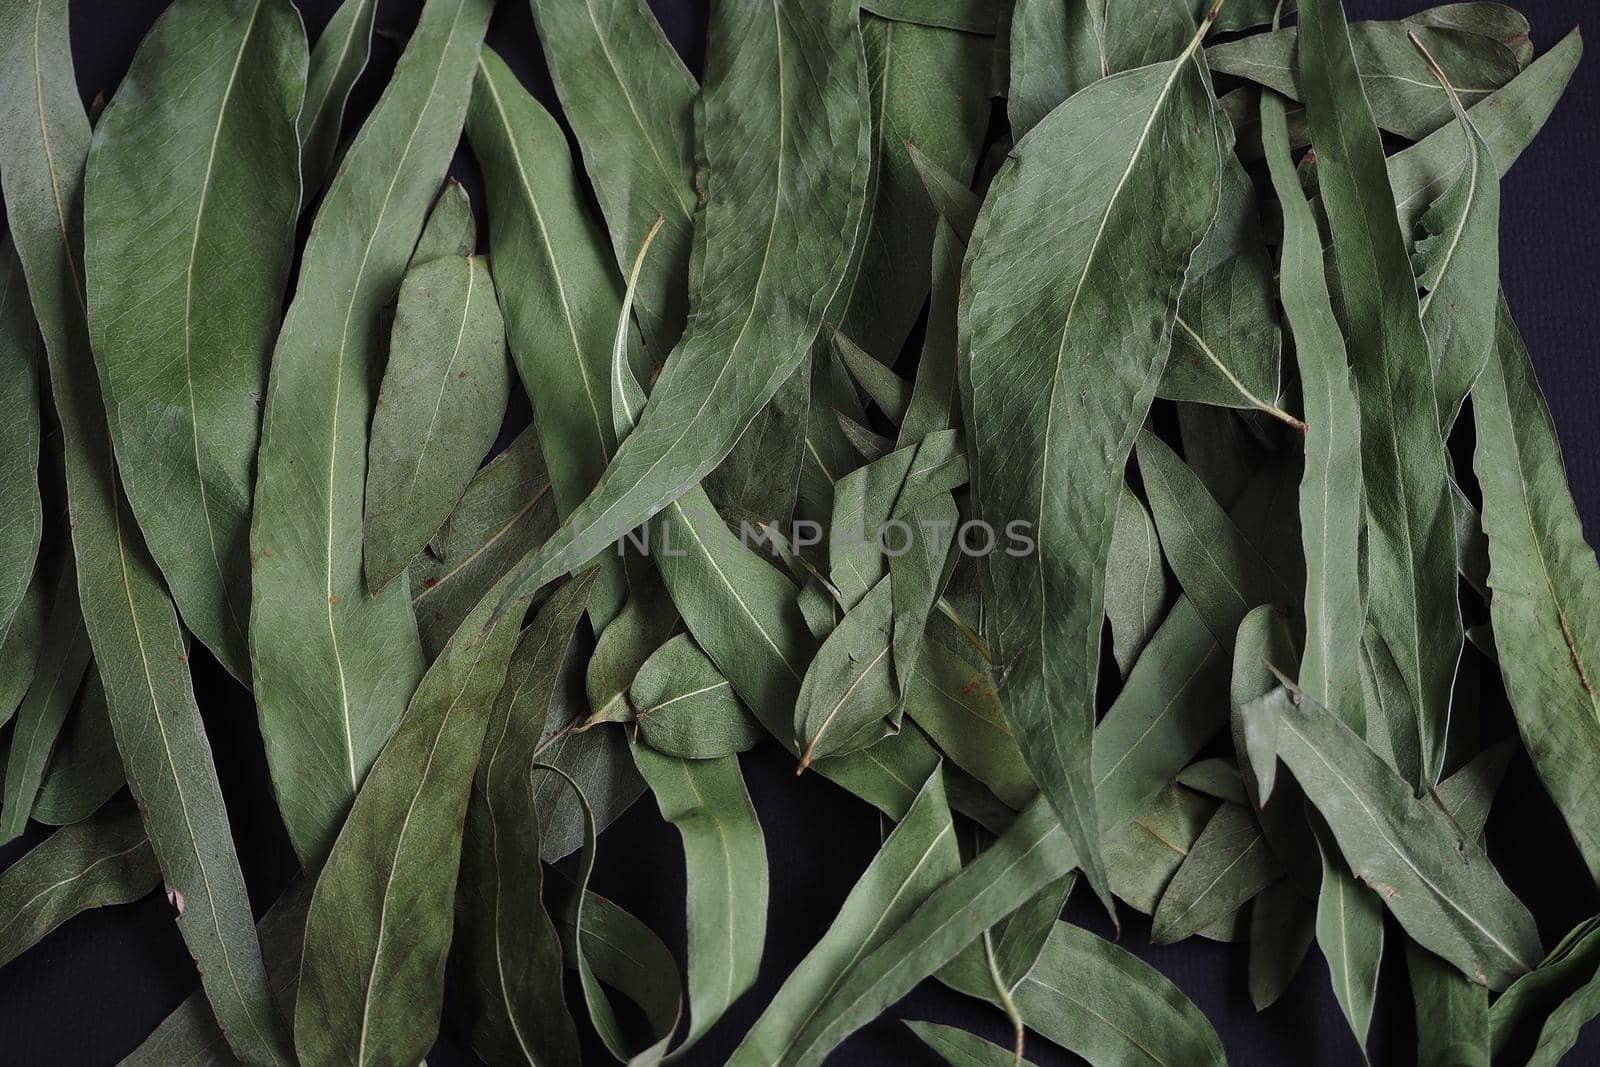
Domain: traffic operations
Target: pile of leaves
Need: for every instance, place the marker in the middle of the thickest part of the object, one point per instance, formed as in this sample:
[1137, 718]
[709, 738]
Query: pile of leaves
[873, 377]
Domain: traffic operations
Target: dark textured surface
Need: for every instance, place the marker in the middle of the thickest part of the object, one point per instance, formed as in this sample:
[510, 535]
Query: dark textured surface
[92, 990]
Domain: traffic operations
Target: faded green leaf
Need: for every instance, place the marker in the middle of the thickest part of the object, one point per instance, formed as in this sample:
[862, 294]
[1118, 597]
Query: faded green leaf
[1107, 1005]
[1174, 701]
[190, 202]
[1404, 96]
[56, 678]
[684, 707]
[1136, 581]
[1034, 852]
[106, 860]
[767, 256]
[953, 697]
[926, 87]
[1225, 868]
[504, 513]
[630, 100]
[333, 666]
[1455, 1008]
[369, 992]
[917, 856]
[1544, 584]
[23, 522]
[725, 861]
[1283, 923]
[1330, 489]
[1458, 265]
[1350, 935]
[1439, 885]
[849, 690]
[1041, 318]
[439, 408]
[138, 646]
[85, 770]
[337, 61]
[1411, 579]
[970, 16]
[1507, 119]
[507, 944]
[1570, 968]
[558, 290]
[1215, 777]
[962, 1049]
[1222, 574]
[190, 1035]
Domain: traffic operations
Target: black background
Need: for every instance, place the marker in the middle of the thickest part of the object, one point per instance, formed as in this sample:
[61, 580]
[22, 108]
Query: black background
[92, 990]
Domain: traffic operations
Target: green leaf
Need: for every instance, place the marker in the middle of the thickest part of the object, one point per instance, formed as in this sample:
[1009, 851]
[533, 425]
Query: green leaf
[106, 860]
[558, 289]
[508, 947]
[1110, 1007]
[190, 202]
[1458, 264]
[190, 1035]
[1404, 96]
[1411, 579]
[1225, 350]
[1059, 49]
[956, 204]
[56, 678]
[962, 1049]
[451, 229]
[1034, 852]
[85, 770]
[1544, 584]
[918, 856]
[444, 391]
[22, 638]
[1468, 794]
[926, 87]
[606, 944]
[767, 256]
[1215, 777]
[1222, 574]
[1226, 867]
[1350, 935]
[337, 61]
[1136, 582]
[1456, 1010]
[933, 394]
[725, 860]
[849, 690]
[368, 990]
[953, 697]
[19, 442]
[504, 513]
[1330, 489]
[1146, 851]
[1439, 885]
[1571, 966]
[1507, 120]
[684, 707]
[334, 666]
[969, 16]
[1283, 923]
[630, 101]
[138, 646]
[883, 386]
[1174, 701]
[598, 760]
[1028, 349]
